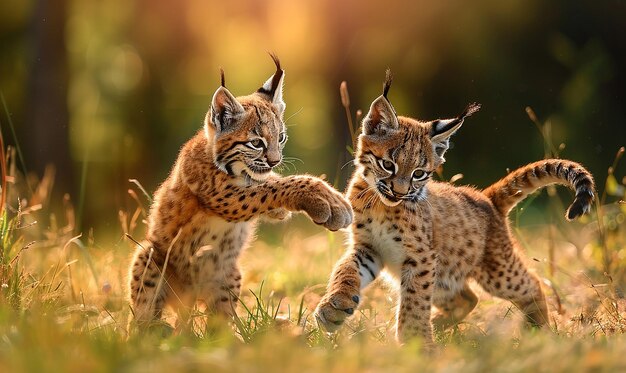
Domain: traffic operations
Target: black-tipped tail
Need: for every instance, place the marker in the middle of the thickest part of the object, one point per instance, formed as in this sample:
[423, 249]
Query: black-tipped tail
[581, 204]
[514, 187]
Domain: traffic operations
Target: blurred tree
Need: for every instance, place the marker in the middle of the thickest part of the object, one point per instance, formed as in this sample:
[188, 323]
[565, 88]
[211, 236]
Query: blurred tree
[46, 115]
[134, 80]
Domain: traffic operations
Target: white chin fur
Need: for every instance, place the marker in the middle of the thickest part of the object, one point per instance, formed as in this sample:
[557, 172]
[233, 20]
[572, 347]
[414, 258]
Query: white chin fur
[258, 177]
[240, 169]
[388, 202]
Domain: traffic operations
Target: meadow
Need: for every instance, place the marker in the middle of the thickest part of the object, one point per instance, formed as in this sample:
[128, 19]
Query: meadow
[63, 301]
[96, 98]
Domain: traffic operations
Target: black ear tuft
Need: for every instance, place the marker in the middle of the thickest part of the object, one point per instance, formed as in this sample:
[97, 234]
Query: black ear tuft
[472, 108]
[270, 89]
[276, 61]
[223, 80]
[444, 128]
[279, 74]
[387, 83]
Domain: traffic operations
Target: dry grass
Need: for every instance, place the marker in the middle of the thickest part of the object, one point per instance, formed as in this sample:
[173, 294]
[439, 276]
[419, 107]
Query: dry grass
[63, 305]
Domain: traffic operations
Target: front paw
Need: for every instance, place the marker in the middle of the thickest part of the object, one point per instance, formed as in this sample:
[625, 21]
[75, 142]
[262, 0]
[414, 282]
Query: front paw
[327, 207]
[333, 309]
[278, 214]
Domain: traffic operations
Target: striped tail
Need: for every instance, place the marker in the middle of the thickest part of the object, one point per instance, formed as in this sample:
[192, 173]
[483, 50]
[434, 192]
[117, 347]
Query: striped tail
[514, 187]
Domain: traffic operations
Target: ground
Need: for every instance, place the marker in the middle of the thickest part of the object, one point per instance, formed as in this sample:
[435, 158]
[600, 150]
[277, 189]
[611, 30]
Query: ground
[63, 305]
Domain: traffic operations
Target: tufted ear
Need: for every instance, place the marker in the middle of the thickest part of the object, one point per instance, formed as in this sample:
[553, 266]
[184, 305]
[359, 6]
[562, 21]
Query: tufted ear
[225, 110]
[442, 129]
[273, 87]
[382, 116]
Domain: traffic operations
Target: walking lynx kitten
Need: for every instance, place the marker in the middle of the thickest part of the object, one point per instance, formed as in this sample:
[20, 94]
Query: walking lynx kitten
[432, 237]
[204, 213]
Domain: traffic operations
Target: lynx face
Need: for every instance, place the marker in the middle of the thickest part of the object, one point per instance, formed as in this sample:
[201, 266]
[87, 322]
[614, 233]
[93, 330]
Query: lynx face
[254, 147]
[247, 133]
[398, 163]
[398, 155]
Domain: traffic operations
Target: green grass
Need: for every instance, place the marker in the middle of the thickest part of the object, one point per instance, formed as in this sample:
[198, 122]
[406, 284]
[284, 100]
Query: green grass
[63, 300]
[63, 308]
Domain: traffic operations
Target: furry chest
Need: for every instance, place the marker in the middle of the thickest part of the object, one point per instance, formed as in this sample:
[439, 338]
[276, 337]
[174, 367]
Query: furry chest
[215, 232]
[387, 240]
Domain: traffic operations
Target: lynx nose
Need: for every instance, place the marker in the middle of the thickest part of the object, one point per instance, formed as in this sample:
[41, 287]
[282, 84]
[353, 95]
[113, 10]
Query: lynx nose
[400, 188]
[273, 155]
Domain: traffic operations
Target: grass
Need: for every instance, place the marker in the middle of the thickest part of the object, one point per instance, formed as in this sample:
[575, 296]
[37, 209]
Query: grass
[63, 301]
[64, 309]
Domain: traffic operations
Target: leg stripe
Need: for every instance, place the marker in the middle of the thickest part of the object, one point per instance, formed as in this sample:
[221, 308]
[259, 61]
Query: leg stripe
[369, 270]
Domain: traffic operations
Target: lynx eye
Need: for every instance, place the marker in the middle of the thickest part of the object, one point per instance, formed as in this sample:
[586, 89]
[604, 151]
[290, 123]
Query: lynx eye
[256, 143]
[282, 138]
[387, 165]
[419, 175]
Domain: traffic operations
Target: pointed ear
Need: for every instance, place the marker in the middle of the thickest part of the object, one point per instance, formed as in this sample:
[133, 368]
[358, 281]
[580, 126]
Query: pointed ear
[273, 87]
[380, 118]
[442, 129]
[225, 110]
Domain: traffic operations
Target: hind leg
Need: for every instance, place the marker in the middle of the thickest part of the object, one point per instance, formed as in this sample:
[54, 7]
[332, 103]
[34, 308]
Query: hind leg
[453, 308]
[227, 287]
[504, 275]
[147, 299]
[218, 281]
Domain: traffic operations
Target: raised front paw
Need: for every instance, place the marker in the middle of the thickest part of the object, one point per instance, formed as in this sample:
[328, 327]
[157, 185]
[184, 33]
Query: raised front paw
[333, 309]
[326, 206]
[278, 214]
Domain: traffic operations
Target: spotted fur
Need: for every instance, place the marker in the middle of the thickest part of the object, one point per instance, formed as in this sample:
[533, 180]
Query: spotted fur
[514, 187]
[204, 213]
[433, 237]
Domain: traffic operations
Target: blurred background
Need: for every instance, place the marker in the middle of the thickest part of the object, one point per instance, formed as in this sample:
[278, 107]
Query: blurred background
[109, 91]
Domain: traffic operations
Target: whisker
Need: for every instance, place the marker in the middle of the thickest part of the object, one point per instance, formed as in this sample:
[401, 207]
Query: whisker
[372, 200]
[361, 193]
[366, 201]
[288, 164]
[292, 115]
[347, 163]
[293, 159]
[377, 201]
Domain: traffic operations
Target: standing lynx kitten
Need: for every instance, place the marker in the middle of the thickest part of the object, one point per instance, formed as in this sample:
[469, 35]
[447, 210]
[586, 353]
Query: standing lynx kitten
[204, 213]
[432, 237]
